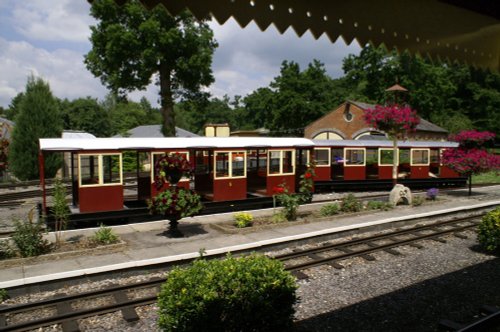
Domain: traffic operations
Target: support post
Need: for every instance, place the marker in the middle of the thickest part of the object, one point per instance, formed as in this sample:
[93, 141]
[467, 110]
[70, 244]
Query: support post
[41, 163]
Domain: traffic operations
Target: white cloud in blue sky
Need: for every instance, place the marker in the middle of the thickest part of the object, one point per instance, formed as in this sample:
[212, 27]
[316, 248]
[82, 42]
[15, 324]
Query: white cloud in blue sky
[50, 37]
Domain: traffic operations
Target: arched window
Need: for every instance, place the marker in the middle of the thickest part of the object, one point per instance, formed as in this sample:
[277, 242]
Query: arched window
[328, 135]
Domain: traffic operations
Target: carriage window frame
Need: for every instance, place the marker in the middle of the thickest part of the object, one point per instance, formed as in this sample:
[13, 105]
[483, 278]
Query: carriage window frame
[387, 149]
[100, 169]
[327, 160]
[183, 179]
[346, 161]
[420, 164]
[230, 165]
[281, 158]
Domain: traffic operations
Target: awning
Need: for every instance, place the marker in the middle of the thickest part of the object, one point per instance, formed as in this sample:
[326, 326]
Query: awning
[451, 30]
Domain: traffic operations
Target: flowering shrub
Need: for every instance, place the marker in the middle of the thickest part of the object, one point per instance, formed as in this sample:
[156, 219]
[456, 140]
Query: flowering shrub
[306, 184]
[472, 138]
[393, 119]
[243, 219]
[432, 193]
[172, 165]
[290, 202]
[176, 201]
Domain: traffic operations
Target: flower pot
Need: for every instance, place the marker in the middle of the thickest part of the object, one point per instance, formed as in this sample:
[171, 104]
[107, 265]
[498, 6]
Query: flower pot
[173, 230]
[173, 176]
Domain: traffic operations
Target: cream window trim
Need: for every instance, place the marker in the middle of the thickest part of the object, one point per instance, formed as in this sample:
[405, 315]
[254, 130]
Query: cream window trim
[380, 156]
[428, 157]
[230, 165]
[183, 179]
[328, 164]
[346, 164]
[100, 170]
[281, 162]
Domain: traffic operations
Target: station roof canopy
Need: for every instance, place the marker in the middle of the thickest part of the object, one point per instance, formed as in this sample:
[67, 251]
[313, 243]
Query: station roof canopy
[450, 30]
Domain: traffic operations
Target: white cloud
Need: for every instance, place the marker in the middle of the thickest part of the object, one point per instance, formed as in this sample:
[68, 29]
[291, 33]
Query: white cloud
[61, 20]
[63, 69]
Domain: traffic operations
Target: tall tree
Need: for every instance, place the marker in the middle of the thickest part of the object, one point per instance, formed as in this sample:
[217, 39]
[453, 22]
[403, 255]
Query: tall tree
[88, 115]
[13, 109]
[131, 44]
[39, 117]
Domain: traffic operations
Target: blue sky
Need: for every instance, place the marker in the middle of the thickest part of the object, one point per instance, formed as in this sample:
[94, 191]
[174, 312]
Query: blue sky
[50, 37]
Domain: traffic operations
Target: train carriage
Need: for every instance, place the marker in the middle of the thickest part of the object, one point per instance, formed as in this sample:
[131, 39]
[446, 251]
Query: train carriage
[225, 169]
[238, 169]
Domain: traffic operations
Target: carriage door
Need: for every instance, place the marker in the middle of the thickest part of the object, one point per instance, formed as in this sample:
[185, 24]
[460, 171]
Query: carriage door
[337, 156]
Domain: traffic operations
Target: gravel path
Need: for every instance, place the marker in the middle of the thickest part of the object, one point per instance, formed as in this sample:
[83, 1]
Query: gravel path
[411, 292]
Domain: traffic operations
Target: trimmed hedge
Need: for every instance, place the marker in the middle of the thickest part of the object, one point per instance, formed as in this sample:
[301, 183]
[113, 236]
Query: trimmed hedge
[250, 293]
[488, 233]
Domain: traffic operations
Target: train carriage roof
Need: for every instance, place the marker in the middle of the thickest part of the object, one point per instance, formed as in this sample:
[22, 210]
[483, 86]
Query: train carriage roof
[384, 143]
[115, 144]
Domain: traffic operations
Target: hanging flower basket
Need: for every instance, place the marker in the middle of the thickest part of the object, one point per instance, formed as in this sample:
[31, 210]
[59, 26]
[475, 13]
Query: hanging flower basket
[172, 167]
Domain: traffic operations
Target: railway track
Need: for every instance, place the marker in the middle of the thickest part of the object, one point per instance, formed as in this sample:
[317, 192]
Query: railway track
[67, 310]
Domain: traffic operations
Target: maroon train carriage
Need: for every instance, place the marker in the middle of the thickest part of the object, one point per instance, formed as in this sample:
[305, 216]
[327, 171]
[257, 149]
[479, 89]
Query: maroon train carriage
[226, 168]
[370, 161]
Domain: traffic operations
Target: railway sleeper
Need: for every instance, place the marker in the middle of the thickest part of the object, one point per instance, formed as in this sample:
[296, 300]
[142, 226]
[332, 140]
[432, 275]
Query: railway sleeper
[67, 325]
[128, 313]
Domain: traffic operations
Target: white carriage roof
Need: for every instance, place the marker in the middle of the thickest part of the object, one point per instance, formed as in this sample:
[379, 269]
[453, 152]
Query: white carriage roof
[113, 144]
[384, 143]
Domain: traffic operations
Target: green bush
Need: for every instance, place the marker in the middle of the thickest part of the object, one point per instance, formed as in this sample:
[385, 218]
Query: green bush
[6, 251]
[489, 231]
[290, 203]
[330, 209]
[251, 293]
[350, 203]
[243, 219]
[278, 218]
[417, 200]
[378, 205]
[105, 235]
[28, 237]
[3, 295]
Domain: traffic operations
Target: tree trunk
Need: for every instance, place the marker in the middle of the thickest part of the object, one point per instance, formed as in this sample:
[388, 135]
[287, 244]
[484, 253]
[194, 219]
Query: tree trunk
[470, 185]
[394, 160]
[167, 102]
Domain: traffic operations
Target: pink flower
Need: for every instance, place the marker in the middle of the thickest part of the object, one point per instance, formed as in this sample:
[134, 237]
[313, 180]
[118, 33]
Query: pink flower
[393, 119]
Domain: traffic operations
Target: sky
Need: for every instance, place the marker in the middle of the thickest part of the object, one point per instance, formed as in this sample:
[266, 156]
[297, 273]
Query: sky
[49, 38]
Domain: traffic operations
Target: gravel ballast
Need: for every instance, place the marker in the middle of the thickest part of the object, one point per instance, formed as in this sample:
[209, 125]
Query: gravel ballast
[410, 292]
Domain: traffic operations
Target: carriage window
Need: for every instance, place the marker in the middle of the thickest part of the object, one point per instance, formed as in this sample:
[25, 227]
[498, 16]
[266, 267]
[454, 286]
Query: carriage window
[281, 162]
[222, 164]
[435, 156]
[274, 165]
[100, 169]
[301, 157]
[337, 156]
[322, 157]
[386, 156]
[238, 163]
[404, 156]
[111, 169]
[420, 156]
[355, 157]
[230, 164]
[371, 156]
[89, 169]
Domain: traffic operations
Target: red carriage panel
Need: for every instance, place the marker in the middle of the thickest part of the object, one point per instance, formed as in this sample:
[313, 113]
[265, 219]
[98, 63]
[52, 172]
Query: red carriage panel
[274, 181]
[230, 189]
[101, 198]
[385, 172]
[446, 172]
[354, 173]
[322, 173]
[419, 172]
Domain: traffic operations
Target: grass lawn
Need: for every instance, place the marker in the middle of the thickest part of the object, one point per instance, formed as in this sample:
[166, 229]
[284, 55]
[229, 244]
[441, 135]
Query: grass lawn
[490, 177]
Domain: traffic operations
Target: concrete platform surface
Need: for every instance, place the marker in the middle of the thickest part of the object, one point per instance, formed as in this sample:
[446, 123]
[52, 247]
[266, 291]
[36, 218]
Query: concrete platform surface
[146, 243]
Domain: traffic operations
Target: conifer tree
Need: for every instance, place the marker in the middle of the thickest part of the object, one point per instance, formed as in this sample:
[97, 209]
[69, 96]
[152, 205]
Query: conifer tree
[38, 118]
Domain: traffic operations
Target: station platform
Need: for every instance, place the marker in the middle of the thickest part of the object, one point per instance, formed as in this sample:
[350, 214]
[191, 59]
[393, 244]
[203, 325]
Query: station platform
[146, 243]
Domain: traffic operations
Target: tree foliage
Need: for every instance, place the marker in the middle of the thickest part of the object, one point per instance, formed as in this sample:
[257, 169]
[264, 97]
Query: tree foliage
[471, 157]
[131, 44]
[38, 117]
[88, 115]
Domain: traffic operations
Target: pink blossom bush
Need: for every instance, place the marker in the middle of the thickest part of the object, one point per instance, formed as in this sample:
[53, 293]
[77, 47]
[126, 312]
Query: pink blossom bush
[393, 119]
[470, 161]
[472, 138]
